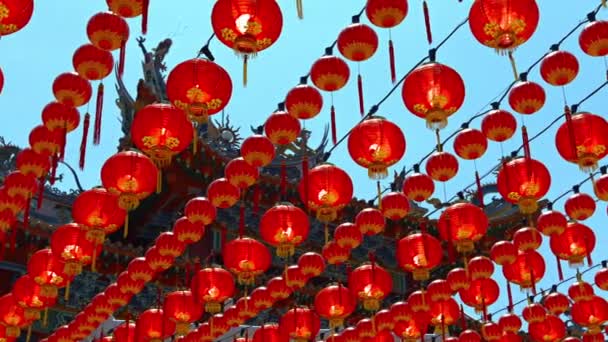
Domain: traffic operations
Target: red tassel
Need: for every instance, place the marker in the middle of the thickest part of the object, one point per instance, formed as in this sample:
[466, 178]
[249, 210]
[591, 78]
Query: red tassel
[63, 142]
[360, 89]
[242, 220]
[40, 192]
[83, 142]
[54, 162]
[283, 178]
[589, 261]
[479, 190]
[98, 114]
[560, 272]
[570, 127]
[391, 56]
[463, 319]
[121, 61]
[334, 133]
[427, 22]
[524, 133]
[533, 280]
[510, 295]
[144, 18]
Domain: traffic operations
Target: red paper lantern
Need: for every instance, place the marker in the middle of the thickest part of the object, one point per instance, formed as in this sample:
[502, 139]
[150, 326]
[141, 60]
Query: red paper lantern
[463, 224]
[526, 271]
[92, 63]
[261, 299]
[15, 15]
[470, 144]
[312, 264]
[370, 221]
[439, 290]
[334, 254]
[395, 206]
[503, 252]
[12, 316]
[139, 270]
[199, 87]
[574, 244]
[157, 261]
[401, 311]
[527, 238]
[589, 141]
[386, 13]
[384, 321]
[444, 313]
[127, 8]
[125, 332]
[593, 39]
[222, 193]
[267, 333]
[257, 150]
[188, 232]
[419, 253]
[334, 303]
[601, 279]
[433, 92]
[371, 284]
[97, 212]
[600, 187]
[527, 97]
[71, 89]
[442, 166]
[116, 296]
[590, 314]
[168, 245]
[589, 337]
[556, 303]
[108, 31]
[304, 102]
[17, 184]
[418, 186]
[247, 258]
[551, 223]
[534, 313]
[480, 267]
[47, 271]
[31, 162]
[30, 296]
[499, 125]
[470, 336]
[357, 42]
[458, 278]
[510, 323]
[329, 73]
[348, 235]
[154, 326]
[580, 206]
[57, 116]
[69, 243]
[480, 294]
[491, 331]
[212, 286]
[282, 128]
[240, 173]
[503, 25]
[14, 204]
[523, 182]
[200, 210]
[559, 68]
[328, 190]
[294, 278]
[161, 131]
[178, 308]
[278, 289]
[299, 324]
[376, 144]
[412, 330]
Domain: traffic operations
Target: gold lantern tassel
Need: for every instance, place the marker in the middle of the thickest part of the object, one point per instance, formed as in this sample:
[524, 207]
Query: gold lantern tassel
[159, 181]
[300, 9]
[326, 233]
[94, 259]
[245, 60]
[513, 65]
[126, 227]
[29, 333]
[66, 297]
[45, 317]
[194, 139]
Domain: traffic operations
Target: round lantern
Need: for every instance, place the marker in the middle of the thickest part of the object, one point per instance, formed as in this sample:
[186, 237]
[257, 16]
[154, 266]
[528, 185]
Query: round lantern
[510, 323]
[222, 193]
[559, 68]
[125, 332]
[480, 294]
[159, 262]
[299, 324]
[444, 313]
[14, 204]
[258, 150]
[600, 186]
[469, 336]
[370, 221]
[371, 284]
[551, 223]
[267, 333]
[15, 15]
[470, 144]
[348, 235]
[71, 89]
[556, 303]
[57, 116]
[139, 270]
[523, 182]
[386, 13]
[458, 279]
[31, 162]
[188, 232]
[439, 290]
[591, 314]
[294, 278]
[282, 128]
[384, 320]
[12, 316]
[22, 186]
[419, 253]
[312, 264]
[200, 210]
[601, 279]
[334, 254]
[395, 206]
[304, 102]
[247, 258]
[463, 224]
[212, 286]
[329, 189]
[48, 272]
[161, 131]
[153, 325]
[178, 307]
[527, 238]
[335, 303]
[92, 63]
[580, 206]
[376, 144]
[581, 291]
[278, 289]
[526, 271]
[69, 243]
[442, 166]
[46, 142]
[261, 299]
[503, 252]
[108, 31]
[401, 311]
[167, 244]
[412, 330]
[199, 87]
[574, 244]
[502, 25]
[418, 186]
[240, 173]
[30, 296]
[329, 73]
[433, 92]
[480, 267]
[357, 42]
[588, 140]
[527, 97]
[499, 125]
[131, 9]
[491, 331]
[593, 39]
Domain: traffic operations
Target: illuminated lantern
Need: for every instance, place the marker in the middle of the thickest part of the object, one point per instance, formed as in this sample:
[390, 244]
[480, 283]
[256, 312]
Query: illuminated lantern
[31, 162]
[510, 323]
[247, 258]
[100, 305]
[168, 245]
[480, 294]
[412, 330]
[328, 190]
[282, 128]
[294, 278]
[267, 333]
[69, 243]
[245, 308]
[589, 337]
[458, 278]
[463, 224]
[491, 331]
[370, 221]
[47, 271]
[108, 31]
[139, 270]
[92, 63]
[12, 316]
[601, 279]
[552, 328]
[278, 289]
[304, 102]
[15, 15]
[499, 125]
[261, 299]
[178, 308]
[589, 141]
[334, 254]
[574, 244]
[29, 296]
[188, 232]
[600, 186]
[418, 186]
[593, 39]
[161, 131]
[439, 290]
[503, 253]
[559, 68]
[442, 166]
[14, 204]
[334, 303]
[433, 92]
[383, 320]
[258, 150]
[222, 193]
[312, 264]
[480, 267]
[116, 297]
[395, 206]
[348, 235]
[401, 311]
[580, 206]
[57, 116]
[551, 223]
[590, 314]
[365, 328]
[526, 271]
[419, 253]
[212, 286]
[556, 303]
[299, 324]
[527, 97]
[200, 210]
[376, 144]
[444, 313]
[130, 175]
[47, 143]
[371, 284]
[240, 173]
[127, 285]
[153, 325]
[503, 25]
[527, 238]
[534, 313]
[233, 319]
[157, 261]
[523, 182]
[131, 9]
[199, 87]
[470, 144]
[247, 28]
[71, 89]
[469, 336]
[125, 332]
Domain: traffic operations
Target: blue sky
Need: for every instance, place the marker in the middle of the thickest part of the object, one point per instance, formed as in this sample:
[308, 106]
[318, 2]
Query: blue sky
[33, 57]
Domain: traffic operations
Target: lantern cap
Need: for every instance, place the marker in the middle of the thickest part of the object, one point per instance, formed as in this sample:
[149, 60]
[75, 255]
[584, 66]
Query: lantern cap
[603, 169]
[329, 51]
[523, 76]
[416, 168]
[356, 19]
[465, 125]
[304, 80]
[432, 55]
[591, 16]
[576, 189]
[281, 107]
[554, 47]
[549, 205]
[495, 105]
